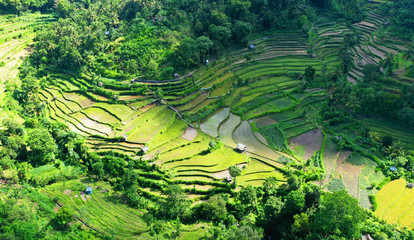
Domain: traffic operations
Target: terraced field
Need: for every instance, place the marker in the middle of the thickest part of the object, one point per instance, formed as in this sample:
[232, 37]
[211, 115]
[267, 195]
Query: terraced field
[16, 35]
[255, 97]
[350, 171]
[102, 210]
[395, 204]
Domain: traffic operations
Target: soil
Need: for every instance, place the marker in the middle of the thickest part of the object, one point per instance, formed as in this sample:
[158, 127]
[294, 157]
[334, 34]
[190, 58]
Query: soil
[264, 121]
[312, 140]
[350, 176]
[352, 80]
[146, 108]
[189, 134]
[129, 97]
[82, 194]
[67, 192]
[221, 174]
[56, 208]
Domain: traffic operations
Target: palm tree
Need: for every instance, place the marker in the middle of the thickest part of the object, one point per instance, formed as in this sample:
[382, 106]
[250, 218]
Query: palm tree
[387, 64]
[408, 55]
[352, 104]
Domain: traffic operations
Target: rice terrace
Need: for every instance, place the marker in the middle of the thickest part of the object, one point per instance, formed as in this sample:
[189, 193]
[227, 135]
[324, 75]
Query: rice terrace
[207, 119]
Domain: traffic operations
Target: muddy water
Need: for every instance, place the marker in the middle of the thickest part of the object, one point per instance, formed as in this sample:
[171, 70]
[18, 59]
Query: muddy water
[244, 135]
[227, 128]
[211, 125]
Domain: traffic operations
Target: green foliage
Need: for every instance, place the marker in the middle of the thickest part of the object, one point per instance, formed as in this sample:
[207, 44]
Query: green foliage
[42, 146]
[235, 171]
[64, 216]
[175, 204]
[214, 209]
[339, 216]
[336, 185]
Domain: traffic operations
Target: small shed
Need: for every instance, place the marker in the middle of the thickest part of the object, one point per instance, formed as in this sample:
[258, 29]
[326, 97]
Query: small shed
[145, 149]
[366, 237]
[393, 169]
[116, 97]
[241, 147]
[410, 185]
[88, 190]
[176, 75]
[207, 62]
[251, 46]
[124, 138]
[132, 80]
[100, 84]
[107, 32]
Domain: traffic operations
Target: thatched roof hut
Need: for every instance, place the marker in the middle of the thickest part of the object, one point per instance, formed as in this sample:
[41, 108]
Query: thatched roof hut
[241, 147]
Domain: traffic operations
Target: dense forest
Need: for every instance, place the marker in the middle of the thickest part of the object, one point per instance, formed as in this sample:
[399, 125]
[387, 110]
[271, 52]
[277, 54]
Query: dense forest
[116, 57]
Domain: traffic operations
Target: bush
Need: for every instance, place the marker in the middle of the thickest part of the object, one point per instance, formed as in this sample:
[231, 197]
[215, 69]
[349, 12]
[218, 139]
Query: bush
[373, 201]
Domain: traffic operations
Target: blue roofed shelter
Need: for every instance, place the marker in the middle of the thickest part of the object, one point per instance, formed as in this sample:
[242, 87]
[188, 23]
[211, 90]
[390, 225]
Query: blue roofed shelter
[393, 169]
[88, 190]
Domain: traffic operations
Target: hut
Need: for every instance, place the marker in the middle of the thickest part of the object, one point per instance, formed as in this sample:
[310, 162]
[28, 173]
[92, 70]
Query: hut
[251, 46]
[116, 97]
[100, 84]
[393, 169]
[410, 185]
[132, 80]
[88, 190]
[124, 138]
[366, 237]
[207, 62]
[176, 75]
[241, 147]
[107, 33]
[145, 149]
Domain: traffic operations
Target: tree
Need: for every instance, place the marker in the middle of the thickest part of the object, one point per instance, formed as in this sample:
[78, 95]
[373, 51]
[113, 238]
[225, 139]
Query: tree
[244, 233]
[241, 31]
[24, 170]
[352, 104]
[157, 227]
[293, 182]
[294, 203]
[388, 64]
[42, 146]
[98, 169]
[270, 186]
[372, 72]
[339, 215]
[235, 171]
[64, 216]
[220, 35]
[114, 166]
[204, 45]
[248, 199]
[215, 208]
[176, 203]
[272, 209]
[408, 55]
[309, 73]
